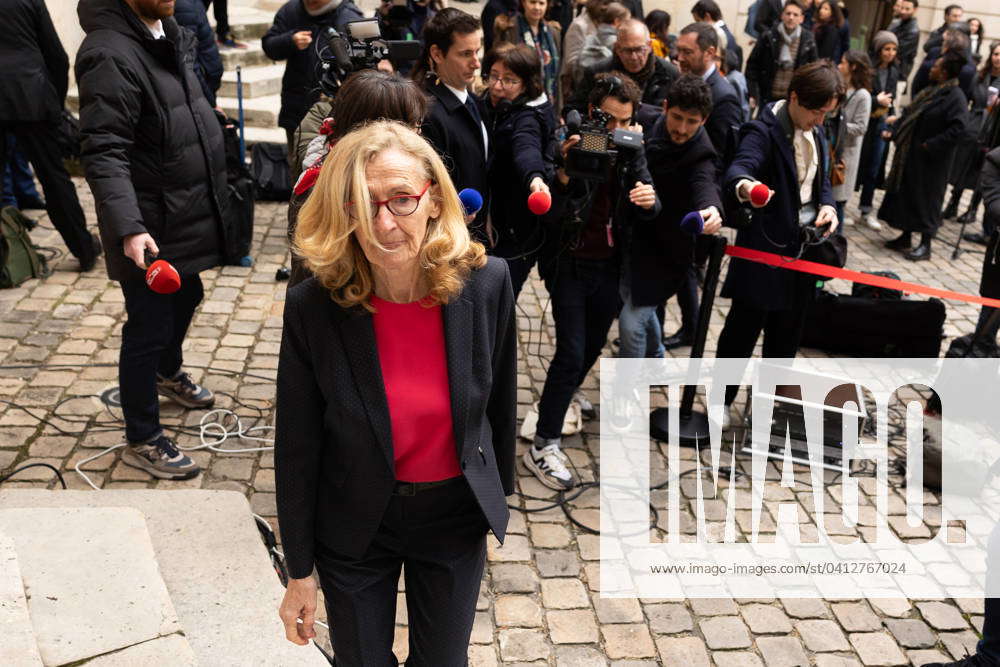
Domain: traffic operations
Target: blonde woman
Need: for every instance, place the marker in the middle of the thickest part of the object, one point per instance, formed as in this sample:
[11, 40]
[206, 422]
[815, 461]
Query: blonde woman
[396, 404]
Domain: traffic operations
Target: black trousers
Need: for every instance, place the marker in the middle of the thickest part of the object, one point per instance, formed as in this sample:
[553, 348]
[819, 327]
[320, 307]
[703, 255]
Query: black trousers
[585, 302]
[782, 329]
[38, 143]
[439, 534]
[151, 343]
[221, 17]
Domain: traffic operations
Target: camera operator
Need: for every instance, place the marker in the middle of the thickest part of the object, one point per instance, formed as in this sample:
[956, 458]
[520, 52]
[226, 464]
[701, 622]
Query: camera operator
[454, 123]
[661, 254]
[582, 266]
[297, 25]
[785, 149]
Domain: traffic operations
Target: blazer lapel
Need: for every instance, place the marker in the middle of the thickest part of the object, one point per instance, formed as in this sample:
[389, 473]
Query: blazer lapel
[458, 345]
[358, 336]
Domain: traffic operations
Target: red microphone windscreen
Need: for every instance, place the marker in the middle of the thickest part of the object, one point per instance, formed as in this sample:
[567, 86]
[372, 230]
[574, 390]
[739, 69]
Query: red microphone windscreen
[760, 194]
[162, 277]
[539, 202]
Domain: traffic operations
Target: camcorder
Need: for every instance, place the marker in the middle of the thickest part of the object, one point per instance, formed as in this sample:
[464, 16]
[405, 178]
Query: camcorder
[362, 48]
[599, 150]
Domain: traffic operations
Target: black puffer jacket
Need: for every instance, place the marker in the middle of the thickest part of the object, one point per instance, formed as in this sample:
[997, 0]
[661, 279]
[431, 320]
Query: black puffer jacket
[152, 146]
[34, 69]
[300, 84]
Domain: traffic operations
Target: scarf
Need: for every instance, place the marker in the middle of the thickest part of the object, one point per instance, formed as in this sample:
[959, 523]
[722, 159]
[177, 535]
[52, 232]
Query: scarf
[903, 134]
[786, 42]
[545, 45]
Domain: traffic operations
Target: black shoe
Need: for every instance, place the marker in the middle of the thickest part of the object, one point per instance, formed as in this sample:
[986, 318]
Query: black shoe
[975, 237]
[901, 242]
[919, 254]
[88, 262]
[950, 211]
[678, 339]
[967, 217]
[32, 203]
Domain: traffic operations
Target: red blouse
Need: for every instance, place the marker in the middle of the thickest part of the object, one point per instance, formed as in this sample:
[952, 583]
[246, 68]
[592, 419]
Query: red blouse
[411, 351]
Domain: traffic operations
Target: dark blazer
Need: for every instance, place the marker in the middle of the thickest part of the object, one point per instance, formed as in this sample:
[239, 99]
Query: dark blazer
[766, 154]
[827, 38]
[763, 62]
[191, 14]
[726, 116]
[300, 83]
[35, 67]
[686, 180]
[454, 133]
[333, 455]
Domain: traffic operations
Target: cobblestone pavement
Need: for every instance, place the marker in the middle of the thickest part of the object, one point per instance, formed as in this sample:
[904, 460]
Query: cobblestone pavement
[539, 604]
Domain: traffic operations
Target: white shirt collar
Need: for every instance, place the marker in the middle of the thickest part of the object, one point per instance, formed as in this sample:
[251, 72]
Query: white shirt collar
[462, 94]
[156, 30]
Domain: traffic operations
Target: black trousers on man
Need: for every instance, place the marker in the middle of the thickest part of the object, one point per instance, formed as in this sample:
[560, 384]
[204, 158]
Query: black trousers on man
[38, 143]
[439, 534]
[221, 17]
[782, 328]
[151, 343]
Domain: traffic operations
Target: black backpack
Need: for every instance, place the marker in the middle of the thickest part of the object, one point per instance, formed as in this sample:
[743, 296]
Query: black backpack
[271, 175]
[237, 216]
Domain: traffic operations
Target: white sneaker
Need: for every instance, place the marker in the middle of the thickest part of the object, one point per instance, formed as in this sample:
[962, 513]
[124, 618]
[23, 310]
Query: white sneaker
[549, 465]
[871, 222]
[848, 222]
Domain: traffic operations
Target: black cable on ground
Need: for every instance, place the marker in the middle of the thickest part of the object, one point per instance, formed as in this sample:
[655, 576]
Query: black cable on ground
[35, 465]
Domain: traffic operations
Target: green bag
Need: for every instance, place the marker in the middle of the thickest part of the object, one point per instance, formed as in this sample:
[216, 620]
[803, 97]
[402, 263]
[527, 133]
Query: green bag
[19, 260]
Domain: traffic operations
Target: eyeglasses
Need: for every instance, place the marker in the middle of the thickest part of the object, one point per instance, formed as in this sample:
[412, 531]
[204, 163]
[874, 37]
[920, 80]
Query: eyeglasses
[504, 83]
[634, 51]
[401, 205]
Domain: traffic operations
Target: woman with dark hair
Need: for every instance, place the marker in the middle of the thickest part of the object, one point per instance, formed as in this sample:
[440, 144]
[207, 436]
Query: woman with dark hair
[856, 70]
[826, 29]
[925, 137]
[522, 120]
[658, 22]
[885, 79]
[967, 172]
[366, 96]
[977, 35]
[530, 27]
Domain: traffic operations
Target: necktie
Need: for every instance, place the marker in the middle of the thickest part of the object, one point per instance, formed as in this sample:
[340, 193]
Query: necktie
[471, 106]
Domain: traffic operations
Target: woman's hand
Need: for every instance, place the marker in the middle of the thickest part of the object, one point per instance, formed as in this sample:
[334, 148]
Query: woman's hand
[642, 195]
[827, 216]
[538, 185]
[299, 603]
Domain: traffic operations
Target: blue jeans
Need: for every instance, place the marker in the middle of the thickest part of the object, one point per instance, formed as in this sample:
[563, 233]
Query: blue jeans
[870, 169]
[18, 181]
[639, 330]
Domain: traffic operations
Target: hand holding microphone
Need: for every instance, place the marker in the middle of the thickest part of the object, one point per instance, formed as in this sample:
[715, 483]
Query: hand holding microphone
[707, 221]
[757, 193]
[540, 199]
[472, 201]
[135, 246]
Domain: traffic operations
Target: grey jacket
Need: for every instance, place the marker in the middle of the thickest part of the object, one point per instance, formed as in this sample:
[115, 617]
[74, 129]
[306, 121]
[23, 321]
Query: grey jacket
[857, 111]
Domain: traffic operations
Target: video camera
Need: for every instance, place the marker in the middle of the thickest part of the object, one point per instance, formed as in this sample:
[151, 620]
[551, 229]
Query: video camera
[599, 148]
[362, 48]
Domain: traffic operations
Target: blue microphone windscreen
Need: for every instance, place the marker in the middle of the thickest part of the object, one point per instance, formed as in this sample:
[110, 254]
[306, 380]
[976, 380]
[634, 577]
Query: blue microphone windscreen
[471, 200]
[693, 223]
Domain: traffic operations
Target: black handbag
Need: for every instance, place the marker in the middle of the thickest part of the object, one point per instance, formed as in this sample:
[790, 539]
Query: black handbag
[831, 251]
[68, 135]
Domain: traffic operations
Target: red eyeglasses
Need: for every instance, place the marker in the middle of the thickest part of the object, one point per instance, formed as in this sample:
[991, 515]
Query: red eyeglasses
[401, 205]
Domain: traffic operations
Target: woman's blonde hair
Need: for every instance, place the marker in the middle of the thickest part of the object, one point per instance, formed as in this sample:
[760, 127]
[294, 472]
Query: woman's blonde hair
[326, 236]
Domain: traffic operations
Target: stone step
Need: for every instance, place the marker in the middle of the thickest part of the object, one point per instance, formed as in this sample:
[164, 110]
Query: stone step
[246, 22]
[257, 111]
[18, 646]
[213, 563]
[94, 583]
[257, 135]
[248, 57]
[258, 81]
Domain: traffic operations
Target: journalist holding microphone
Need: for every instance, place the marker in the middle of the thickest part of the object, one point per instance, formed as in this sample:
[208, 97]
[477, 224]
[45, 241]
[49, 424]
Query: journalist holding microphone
[396, 404]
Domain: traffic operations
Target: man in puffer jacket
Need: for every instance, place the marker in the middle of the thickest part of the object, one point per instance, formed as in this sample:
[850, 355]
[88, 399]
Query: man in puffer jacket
[154, 158]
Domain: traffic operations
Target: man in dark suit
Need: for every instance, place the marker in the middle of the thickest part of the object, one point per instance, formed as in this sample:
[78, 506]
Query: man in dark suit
[32, 94]
[952, 15]
[633, 55]
[454, 123]
[708, 12]
[779, 52]
[904, 26]
[296, 26]
[696, 48]
[785, 149]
